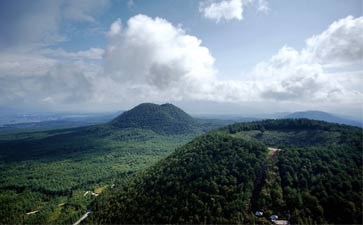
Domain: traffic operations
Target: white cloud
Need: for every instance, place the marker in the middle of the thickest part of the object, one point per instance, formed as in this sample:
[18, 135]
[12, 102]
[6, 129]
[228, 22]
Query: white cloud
[223, 10]
[341, 43]
[33, 79]
[286, 76]
[262, 5]
[33, 74]
[154, 54]
[229, 9]
[115, 28]
[303, 75]
[147, 60]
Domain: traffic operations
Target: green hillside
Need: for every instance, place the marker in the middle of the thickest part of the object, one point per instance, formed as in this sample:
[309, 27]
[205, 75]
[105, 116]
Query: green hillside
[210, 180]
[311, 175]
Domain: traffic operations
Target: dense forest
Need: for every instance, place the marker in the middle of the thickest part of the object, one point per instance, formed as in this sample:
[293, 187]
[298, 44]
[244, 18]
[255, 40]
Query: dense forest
[48, 172]
[304, 171]
[40, 173]
[209, 180]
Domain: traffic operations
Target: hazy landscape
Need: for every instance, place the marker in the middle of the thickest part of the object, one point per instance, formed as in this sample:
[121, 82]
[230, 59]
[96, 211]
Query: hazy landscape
[181, 112]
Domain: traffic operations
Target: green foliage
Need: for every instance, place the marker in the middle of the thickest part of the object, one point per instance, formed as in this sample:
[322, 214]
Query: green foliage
[227, 175]
[296, 133]
[209, 180]
[323, 184]
[38, 169]
[318, 174]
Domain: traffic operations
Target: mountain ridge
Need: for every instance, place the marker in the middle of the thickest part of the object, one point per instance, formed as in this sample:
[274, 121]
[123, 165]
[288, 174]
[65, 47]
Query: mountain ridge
[162, 119]
[323, 116]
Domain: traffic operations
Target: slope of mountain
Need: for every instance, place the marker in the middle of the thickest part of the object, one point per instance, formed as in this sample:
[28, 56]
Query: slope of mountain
[210, 180]
[49, 171]
[311, 173]
[162, 119]
[319, 115]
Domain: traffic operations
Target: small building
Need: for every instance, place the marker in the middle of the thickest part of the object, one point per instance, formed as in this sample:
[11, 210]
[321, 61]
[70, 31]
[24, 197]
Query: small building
[274, 217]
[258, 213]
[113, 186]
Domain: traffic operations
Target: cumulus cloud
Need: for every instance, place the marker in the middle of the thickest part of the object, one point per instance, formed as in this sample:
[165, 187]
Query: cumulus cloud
[303, 75]
[341, 43]
[154, 53]
[223, 10]
[229, 9]
[286, 76]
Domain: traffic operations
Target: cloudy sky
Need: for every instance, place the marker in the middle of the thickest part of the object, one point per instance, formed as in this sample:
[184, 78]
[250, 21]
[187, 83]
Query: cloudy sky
[208, 56]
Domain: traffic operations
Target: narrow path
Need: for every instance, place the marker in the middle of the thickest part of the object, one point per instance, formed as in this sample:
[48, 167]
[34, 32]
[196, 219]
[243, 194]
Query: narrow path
[83, 217]
[33, 212]
[268, 195]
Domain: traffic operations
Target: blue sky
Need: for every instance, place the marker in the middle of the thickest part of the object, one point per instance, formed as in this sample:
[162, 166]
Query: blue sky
[237, 45]
[244, 56]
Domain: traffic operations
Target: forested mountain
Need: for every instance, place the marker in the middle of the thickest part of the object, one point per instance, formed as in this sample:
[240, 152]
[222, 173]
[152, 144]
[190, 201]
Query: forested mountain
[302, 170]
[319, 115]
[210, 180]
[162, 119]
[48, 172]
